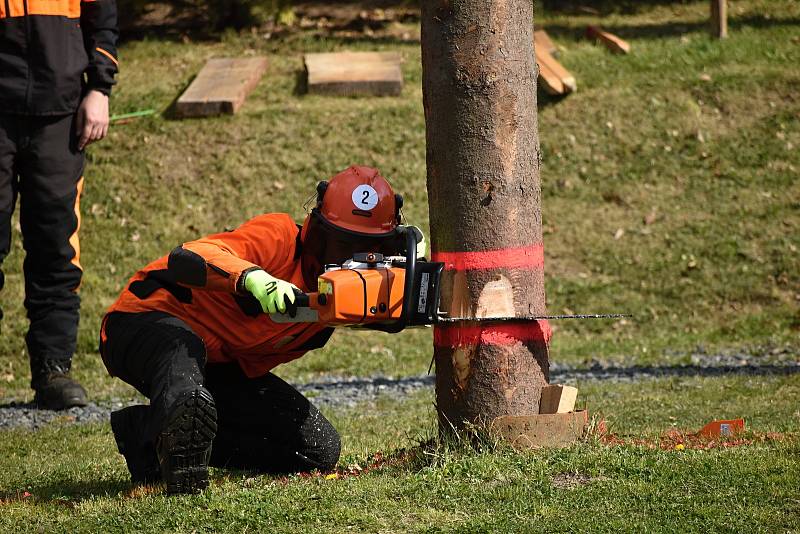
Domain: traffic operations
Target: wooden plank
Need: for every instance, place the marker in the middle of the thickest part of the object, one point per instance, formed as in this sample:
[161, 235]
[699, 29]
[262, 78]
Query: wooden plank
[551, 83]
[354, 73]
[542, 41]
[611, 41]
[557, 398]
[543, 430]
[221, 87]
[719, 19]
[553, 77]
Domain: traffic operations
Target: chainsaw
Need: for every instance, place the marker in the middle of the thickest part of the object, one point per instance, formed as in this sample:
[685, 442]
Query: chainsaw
[386, 293]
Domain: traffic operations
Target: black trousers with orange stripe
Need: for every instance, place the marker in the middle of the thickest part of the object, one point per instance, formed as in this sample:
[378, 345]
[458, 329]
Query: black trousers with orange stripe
[41, 164]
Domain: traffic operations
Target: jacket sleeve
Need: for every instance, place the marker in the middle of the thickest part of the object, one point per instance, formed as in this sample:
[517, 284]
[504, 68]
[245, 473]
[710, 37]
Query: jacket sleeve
[99, 27]
[219, 262]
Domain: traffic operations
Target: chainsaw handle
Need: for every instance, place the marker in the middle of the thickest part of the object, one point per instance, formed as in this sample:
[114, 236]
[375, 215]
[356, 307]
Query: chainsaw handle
[301, 300]
[408, 287]
[411, 271]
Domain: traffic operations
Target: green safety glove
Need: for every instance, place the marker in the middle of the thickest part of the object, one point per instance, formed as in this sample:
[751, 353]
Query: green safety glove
[271, 292]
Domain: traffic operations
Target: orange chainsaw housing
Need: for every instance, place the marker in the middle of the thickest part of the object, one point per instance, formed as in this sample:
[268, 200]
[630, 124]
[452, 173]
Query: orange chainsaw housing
[350, 296]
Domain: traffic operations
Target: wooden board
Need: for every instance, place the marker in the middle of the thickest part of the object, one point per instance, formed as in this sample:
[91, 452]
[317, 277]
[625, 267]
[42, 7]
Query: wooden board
[557, 398]
[542, 41]
[543, 430]
[354, 73]
[553, 77]
[221, 87]
[719, 18]
[611, 41]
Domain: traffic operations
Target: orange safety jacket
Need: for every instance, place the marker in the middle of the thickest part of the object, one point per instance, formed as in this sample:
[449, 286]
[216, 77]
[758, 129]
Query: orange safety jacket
[53, 51]
[201, 282]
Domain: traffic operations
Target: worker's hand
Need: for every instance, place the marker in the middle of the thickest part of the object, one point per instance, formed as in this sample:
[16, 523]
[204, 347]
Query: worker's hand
[91, 121]
[271, 292]
[422, 246]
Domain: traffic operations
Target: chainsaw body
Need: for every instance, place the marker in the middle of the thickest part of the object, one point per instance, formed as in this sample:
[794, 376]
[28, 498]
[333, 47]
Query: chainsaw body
[373, 291]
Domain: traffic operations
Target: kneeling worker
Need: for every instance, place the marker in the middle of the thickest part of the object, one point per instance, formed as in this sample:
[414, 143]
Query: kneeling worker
[190, 332]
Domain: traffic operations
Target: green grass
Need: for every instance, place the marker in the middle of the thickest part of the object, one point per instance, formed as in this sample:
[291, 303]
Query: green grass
[78, 483]
[700, 137]
[717, 266]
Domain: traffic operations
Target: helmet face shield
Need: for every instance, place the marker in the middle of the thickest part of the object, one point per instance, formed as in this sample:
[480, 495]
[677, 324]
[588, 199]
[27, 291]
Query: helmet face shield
[325, 244]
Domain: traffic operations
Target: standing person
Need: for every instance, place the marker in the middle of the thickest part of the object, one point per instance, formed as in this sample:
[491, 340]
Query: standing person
[57, 66]
[190, 332]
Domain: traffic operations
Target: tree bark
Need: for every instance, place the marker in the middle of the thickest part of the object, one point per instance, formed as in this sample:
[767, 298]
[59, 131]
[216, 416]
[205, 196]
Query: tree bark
[479, 92]
[719, 18]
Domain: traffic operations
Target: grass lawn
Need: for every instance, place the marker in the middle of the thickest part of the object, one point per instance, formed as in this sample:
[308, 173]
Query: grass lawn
[670, 190]
[77, 483]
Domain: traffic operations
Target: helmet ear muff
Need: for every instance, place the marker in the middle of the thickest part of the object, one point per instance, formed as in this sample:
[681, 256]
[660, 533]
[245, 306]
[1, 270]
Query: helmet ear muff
[321, 188]
[398, 205]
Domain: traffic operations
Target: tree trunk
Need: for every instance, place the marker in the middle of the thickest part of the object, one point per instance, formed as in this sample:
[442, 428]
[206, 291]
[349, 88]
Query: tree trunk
[479, 91]
[719, 19]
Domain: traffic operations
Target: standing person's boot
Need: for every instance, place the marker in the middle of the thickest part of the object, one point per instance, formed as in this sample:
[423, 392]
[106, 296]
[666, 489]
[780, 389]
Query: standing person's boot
[129, 427]
[184, 443]
[55, 389]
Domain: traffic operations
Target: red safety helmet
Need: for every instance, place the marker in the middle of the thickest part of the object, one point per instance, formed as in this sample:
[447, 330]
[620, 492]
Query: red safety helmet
[356, 211]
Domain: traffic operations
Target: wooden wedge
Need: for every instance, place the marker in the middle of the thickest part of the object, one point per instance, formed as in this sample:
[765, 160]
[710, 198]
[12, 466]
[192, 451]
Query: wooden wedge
[553, 77]
[557, 398]
[611, 41]
[542, 41]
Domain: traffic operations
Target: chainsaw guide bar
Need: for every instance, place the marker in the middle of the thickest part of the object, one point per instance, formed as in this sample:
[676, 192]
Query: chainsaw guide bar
[529, 318]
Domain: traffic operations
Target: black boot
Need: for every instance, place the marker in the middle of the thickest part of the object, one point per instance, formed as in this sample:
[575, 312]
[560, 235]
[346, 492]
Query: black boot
[54, 388]
[128, 425]
[184, 444]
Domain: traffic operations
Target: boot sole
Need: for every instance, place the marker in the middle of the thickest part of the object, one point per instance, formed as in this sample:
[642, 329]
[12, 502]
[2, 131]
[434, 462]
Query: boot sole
[184, 446]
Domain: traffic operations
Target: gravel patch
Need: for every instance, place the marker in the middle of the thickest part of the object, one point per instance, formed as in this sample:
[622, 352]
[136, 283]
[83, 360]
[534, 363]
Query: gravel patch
[351, 391]
[27, 415]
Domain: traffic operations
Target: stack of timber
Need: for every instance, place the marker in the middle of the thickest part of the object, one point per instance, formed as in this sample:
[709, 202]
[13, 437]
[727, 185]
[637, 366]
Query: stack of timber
[221, 87]
[553, 77]
[354, 73]
[611, 41]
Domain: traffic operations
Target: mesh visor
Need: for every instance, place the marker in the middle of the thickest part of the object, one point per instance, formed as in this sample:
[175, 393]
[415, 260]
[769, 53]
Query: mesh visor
[329, 244]
[326, 244]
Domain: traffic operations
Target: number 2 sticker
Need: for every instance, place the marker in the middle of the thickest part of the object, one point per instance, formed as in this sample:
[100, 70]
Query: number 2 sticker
[365, 197]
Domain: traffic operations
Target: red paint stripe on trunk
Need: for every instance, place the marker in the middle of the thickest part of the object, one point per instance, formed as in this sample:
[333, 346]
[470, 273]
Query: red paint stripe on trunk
[529, 257]
[453, 336]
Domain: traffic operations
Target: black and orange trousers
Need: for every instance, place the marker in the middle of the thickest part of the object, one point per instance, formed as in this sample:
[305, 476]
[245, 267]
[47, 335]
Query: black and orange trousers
[41, 165]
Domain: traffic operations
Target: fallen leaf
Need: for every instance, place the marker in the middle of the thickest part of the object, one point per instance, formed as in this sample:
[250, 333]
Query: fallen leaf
[619, 233]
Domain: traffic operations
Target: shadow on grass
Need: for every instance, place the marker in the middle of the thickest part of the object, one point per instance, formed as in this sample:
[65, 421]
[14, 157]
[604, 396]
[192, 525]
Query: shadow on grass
[68, 492]
[670, 29]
